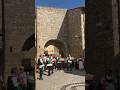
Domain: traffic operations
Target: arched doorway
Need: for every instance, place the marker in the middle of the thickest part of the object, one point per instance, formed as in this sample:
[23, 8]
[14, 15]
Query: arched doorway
[29, 43]
[29, 52]
[55, 47]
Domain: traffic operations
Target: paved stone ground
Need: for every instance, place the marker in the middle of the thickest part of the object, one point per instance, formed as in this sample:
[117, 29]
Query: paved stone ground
[62, 80]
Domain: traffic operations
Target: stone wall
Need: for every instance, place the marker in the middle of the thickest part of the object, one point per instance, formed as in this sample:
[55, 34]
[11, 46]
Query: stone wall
[75, 24]
[118, 3]
[60, 24]
[19, 26]
[1, 42]
[0, 22]
[51, 25]
[99, 36]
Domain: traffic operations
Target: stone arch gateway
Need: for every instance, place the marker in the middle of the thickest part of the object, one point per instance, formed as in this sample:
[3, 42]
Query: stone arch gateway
[58, 47]
[60, 24]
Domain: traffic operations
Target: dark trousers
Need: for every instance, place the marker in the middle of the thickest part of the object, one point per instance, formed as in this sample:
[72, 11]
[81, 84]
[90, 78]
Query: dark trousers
[52, 67]
[59, 65]
[45, 67]
[22, 87]
[41, 73]
[30, 86]
[69, 67]
[48, 70]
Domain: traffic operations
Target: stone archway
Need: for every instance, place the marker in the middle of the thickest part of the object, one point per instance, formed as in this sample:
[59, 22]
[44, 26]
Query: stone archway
[29, 43]
[55, 46]
[29, 52]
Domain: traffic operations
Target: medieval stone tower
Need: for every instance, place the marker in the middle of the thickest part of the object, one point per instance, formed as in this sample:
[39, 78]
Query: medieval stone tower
[101, 35]
[62, 28]
[19, 17]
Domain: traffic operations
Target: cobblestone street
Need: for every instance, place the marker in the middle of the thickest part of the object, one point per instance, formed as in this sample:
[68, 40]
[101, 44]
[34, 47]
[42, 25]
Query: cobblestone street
[61, 80]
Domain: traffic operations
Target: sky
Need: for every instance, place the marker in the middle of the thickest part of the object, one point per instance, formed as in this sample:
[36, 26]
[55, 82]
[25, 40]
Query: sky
[61, 3]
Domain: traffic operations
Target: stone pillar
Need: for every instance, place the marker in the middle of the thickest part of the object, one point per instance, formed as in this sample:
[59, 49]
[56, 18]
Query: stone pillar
[19, 25]
[115, 26]
[83, 35]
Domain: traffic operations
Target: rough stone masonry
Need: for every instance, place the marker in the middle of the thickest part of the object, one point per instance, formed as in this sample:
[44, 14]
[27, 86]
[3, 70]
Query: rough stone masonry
[52, 23]
[62, 25]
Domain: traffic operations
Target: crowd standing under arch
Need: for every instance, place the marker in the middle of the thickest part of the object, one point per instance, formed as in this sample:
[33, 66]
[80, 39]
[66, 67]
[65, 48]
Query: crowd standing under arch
[23, 78]
[51, 63]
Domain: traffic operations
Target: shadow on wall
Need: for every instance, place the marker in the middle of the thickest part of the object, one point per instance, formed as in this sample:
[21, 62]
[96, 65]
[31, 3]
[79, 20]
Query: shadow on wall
[63, 35]
[29, 50]
[29, 43]
[109, 76]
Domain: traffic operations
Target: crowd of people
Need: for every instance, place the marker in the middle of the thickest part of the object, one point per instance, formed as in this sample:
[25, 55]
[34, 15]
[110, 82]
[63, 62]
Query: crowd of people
[106, 82]
[50, 63]
[20, 80]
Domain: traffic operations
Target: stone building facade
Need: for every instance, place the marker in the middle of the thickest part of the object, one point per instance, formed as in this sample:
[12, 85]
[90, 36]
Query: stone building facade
[76, 21]
[19, 26]
[0, 21]
[62, 25]
[118, 7]
[50, 26]
[0, 26]
[101, 35]
[53, 26]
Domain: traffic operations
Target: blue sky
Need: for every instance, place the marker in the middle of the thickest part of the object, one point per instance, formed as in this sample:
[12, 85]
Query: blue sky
[61, 3]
